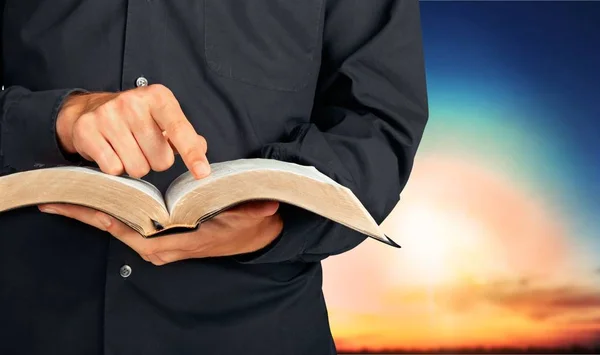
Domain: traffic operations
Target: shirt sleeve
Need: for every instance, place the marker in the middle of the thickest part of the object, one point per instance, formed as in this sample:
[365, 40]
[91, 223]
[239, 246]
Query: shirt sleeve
[28, 124]
[369, 116]
[28, 129]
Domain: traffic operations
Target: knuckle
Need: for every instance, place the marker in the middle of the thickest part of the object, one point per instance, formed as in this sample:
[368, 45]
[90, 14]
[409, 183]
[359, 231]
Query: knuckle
[164, 163]
[159, 90]
[106, 115]
[144, 129]
[191, 154]
[177, 127]
[134, 101]
[144, 170]
[133, 173]
[112, 165]
[84, 124]
[127, 96]
[203, 143]
[138, 171]
[161, 96]
[113, 168]
[121, 102]
[107, 109]
[170, 158]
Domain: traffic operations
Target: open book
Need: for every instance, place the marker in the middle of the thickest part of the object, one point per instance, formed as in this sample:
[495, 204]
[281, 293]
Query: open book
[188, 202]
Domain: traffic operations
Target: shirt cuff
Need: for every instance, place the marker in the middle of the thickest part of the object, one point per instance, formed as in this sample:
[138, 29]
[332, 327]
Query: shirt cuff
[289, 246]
[29, 138]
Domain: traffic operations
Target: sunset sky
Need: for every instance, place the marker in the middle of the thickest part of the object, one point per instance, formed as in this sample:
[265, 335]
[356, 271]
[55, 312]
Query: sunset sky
[498, 223]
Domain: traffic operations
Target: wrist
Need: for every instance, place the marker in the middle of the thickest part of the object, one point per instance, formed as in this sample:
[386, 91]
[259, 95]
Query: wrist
[71, 108]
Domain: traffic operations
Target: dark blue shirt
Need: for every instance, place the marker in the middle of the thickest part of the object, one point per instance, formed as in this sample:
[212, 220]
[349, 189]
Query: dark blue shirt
[336, 84]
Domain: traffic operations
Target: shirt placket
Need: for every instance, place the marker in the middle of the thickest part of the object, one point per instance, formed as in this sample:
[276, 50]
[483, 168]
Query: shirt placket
[124, 266]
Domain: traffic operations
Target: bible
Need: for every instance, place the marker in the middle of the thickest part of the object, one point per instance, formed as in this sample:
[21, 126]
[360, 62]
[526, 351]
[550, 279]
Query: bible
[189, 202]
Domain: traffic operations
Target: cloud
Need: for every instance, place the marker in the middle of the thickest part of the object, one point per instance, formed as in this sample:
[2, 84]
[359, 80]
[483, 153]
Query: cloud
[553, 298]
[519, 312]
[545, 303]
[587, 321]
[524, 297]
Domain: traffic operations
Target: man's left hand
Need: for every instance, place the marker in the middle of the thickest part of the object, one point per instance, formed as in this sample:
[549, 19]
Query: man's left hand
[243, 229]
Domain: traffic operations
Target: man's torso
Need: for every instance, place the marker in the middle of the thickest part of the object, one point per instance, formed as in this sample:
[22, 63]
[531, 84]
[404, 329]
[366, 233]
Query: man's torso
[243, 72]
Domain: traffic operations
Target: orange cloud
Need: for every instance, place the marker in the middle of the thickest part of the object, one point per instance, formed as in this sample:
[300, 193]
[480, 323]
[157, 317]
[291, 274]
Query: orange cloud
[542, 303]
[484, 263]
[502, 313]
[547, 303]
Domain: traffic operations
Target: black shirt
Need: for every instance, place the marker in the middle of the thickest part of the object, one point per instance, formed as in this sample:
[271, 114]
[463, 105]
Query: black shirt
[336, 84]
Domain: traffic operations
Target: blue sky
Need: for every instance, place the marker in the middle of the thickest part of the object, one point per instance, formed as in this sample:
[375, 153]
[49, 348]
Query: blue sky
[530, 72]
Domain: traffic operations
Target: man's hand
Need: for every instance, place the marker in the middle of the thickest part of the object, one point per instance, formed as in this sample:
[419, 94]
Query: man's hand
[243, 229]
[131, 132]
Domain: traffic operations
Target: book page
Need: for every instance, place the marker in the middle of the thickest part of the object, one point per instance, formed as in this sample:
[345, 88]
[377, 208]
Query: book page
[138, 184]
[191, 201]
[135, 202]
[186, 182]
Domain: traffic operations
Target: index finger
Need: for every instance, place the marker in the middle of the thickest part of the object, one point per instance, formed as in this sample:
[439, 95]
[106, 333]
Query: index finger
[167, 113]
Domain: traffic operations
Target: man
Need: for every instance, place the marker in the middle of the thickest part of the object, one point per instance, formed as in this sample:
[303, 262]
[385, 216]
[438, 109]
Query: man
[152, 88]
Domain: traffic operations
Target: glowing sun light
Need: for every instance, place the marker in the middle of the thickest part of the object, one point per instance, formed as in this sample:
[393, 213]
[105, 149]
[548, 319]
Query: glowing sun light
[429, 249]
[444, 246]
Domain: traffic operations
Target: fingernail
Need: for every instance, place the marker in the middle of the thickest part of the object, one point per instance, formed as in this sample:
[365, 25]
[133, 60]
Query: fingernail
[201, 169]
[48, 210]
[105, 220]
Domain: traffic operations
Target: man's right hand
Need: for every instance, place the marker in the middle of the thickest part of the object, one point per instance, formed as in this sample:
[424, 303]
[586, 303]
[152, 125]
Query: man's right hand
[131, 132]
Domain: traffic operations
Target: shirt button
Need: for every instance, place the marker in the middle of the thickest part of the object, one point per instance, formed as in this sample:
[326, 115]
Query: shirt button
[125, 271]
[141, 81]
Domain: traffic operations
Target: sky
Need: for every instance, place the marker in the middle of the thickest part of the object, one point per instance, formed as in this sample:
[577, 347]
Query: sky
[498, 223]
